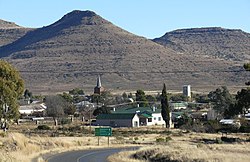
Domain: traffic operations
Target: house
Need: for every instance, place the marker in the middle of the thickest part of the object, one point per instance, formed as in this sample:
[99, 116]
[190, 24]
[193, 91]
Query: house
[178, 105]
[118, 120]
[32, 109]
[234, 122]
[147, 116]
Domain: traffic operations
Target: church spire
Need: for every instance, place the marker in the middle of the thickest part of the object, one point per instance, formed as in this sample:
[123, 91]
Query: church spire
[98, 83]
[98, 89]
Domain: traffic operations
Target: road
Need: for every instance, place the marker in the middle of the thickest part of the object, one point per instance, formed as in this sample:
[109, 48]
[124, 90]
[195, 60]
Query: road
[95, 155]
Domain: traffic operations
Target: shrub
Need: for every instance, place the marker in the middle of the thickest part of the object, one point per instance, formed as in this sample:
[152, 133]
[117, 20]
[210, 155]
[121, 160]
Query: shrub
[75, 128]
[65, 121]
[212, 126]
[168, 139]
[43, 127]
[218, 140]
[161, 139]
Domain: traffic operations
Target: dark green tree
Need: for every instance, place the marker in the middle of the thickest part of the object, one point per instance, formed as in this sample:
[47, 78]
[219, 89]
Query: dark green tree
[130, 95]
[69, 108]
[101, 110]
[104, 98]
[165, 110]
[67, 97]
[221, 100]
[124, 95]
[243, 100]
[11, 88]
[141, 98]
[76, 91]
[179, 97]
[247, 68]
[27, 94]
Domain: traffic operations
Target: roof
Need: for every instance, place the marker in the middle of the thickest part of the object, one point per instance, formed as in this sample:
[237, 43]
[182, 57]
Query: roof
[136, 110]
[179, 104]
[145, 115]
[116, 116]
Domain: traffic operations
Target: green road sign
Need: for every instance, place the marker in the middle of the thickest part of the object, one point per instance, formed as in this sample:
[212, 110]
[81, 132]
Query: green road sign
[103, 132]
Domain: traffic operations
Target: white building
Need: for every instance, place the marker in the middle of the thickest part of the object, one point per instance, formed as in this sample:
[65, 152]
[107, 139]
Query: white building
[33, 108]
[187, 90]
[147, 116]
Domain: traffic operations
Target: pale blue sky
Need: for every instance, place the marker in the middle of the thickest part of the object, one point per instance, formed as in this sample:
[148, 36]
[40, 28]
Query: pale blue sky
[148, 18]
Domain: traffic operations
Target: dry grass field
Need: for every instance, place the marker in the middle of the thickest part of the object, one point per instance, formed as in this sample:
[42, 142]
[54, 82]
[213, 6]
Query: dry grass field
[155, 143]
[189, 147]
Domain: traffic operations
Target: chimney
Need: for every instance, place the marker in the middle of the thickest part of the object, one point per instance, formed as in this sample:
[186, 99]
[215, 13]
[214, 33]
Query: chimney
[153, 108]
[138, 105]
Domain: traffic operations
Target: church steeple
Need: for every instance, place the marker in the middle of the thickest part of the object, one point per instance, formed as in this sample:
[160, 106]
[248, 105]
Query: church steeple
[98, 82]
[98, 89]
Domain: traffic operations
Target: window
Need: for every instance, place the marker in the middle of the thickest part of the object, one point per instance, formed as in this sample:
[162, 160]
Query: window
[154, 118]
[159, 118]
[149, 119]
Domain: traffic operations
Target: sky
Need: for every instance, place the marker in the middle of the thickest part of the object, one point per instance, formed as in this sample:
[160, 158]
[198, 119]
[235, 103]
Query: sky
[148, 18]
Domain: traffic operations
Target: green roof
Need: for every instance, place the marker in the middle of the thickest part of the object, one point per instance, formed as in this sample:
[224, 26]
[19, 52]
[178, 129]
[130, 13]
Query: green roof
[145, 115]
[179, 104]
[116, 116]
[147, 110]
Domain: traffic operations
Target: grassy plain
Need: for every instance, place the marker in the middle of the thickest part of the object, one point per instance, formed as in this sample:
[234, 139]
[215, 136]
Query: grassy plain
[154, 142]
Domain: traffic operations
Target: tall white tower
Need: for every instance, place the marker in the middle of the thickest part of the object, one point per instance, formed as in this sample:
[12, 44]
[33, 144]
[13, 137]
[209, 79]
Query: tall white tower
[187, 90]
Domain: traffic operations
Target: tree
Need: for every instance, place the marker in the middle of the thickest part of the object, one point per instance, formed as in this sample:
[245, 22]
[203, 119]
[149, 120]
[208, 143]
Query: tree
[165, 110]
[178, 97]
[130, 95]
[11, 88]
[247, 68]
[243, 100]
[27, 94]
[101, 110]
[141, 97]
[104, 98]
[69, 109]
[124, 95]
[76, 91]
[221, 100]
[67, 97]
[55, 107]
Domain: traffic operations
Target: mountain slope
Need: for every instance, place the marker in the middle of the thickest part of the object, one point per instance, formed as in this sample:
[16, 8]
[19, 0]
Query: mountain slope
[74, 50]
[228, 44]
[10, 32]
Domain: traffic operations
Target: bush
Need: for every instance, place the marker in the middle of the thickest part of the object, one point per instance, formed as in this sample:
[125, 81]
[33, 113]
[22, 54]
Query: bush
[65, 121]
[160, 139]
[74, 128]
[43, 127]
[212, 126]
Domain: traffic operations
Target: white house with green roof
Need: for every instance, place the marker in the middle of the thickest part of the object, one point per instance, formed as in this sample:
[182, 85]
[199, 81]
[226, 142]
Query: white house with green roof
[118, 120]
[147, 115]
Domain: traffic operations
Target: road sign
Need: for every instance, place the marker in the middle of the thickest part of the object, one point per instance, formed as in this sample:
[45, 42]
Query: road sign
[103, 132]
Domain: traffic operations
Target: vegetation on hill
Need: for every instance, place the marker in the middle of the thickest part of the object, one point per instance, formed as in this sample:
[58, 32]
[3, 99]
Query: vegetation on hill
[214, 42]
[74, 50]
